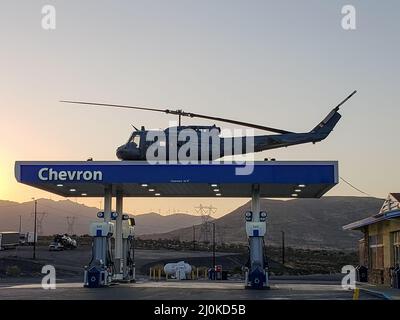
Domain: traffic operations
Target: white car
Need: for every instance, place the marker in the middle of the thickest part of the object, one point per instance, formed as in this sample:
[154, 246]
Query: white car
[56, 246]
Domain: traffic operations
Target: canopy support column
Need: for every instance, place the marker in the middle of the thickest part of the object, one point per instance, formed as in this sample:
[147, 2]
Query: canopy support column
[118, 259]
[256, 273]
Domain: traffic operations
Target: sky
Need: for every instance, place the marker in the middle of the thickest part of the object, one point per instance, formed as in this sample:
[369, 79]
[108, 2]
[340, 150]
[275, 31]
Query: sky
[283, 64]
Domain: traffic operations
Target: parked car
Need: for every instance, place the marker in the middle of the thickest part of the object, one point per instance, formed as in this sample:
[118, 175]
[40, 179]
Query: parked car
[56, 246]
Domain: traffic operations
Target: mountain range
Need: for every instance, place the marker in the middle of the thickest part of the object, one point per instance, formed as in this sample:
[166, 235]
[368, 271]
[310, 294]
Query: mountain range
[307, 223]
[56, 213]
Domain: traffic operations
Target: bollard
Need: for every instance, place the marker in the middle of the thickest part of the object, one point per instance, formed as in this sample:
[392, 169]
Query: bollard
[356, 294]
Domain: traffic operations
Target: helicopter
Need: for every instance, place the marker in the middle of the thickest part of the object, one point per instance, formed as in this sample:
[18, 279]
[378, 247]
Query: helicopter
[210, 145]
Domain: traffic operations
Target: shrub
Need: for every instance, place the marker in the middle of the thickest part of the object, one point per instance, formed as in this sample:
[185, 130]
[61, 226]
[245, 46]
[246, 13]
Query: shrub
[13, 271]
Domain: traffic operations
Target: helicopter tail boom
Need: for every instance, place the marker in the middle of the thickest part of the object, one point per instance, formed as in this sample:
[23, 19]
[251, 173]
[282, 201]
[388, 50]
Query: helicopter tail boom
[330, 121]
[327, 125]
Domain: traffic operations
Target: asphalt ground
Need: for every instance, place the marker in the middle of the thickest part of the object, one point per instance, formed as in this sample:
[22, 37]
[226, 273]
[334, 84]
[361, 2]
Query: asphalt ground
[75, 260]
[70, 286]
[181, 290]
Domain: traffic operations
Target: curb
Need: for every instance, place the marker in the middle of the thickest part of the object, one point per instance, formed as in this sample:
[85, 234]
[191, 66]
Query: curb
[376, 293]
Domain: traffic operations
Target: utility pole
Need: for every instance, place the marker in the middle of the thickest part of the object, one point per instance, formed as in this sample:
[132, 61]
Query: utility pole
[283, 247]
[34, 230]
[214, 249]
[20, 224]
[194, 238]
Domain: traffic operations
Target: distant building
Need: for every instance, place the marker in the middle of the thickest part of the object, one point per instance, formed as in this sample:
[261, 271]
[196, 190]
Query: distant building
[379, 249]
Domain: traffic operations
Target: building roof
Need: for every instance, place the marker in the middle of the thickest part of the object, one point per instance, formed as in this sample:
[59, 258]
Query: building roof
[279, 179]
[391, 203]
[371, 220]
[396, 196]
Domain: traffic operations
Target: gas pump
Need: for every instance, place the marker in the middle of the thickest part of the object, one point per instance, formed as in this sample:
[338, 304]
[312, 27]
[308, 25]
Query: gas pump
[100, 269]
[256, 276]
[128, 249]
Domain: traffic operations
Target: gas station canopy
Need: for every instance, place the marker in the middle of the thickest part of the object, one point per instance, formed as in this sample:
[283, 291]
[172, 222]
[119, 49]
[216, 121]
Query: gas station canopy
[276, 179]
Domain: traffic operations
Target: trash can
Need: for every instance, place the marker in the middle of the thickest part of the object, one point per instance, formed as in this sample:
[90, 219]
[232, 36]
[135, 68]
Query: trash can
[218, 272]
[363, 274]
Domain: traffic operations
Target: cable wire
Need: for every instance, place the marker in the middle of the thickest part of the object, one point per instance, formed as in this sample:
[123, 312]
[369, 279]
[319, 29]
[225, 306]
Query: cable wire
[355, 188]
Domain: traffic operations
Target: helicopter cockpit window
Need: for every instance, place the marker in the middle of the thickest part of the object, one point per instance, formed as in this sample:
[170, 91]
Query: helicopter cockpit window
[135, 138]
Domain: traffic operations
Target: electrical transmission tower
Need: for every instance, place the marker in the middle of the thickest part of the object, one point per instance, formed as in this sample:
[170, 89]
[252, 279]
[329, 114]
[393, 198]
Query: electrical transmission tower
[205, 229]
[71, 224]
[39, 223]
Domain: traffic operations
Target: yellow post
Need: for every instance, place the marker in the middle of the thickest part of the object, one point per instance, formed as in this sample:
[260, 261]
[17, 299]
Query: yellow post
[197, 273]
[356, 294]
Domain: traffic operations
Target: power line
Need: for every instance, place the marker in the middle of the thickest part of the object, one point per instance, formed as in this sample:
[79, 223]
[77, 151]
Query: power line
[355, 188]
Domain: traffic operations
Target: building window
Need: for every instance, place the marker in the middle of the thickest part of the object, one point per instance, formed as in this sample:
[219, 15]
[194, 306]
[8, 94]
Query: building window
[396, 247]
[376, 251]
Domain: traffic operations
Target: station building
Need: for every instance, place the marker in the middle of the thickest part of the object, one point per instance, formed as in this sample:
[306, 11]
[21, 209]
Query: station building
[379, 248]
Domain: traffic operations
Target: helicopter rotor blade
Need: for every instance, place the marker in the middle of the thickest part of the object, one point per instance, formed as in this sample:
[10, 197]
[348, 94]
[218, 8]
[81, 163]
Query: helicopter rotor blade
[114, 105]
[181, 113]
[240, 123]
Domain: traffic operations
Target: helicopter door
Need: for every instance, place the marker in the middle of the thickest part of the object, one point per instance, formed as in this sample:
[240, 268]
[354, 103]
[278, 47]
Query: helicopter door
[136, 139]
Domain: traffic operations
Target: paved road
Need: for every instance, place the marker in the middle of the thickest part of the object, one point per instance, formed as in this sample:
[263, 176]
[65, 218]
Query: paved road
[75, 260]
[183, 290]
